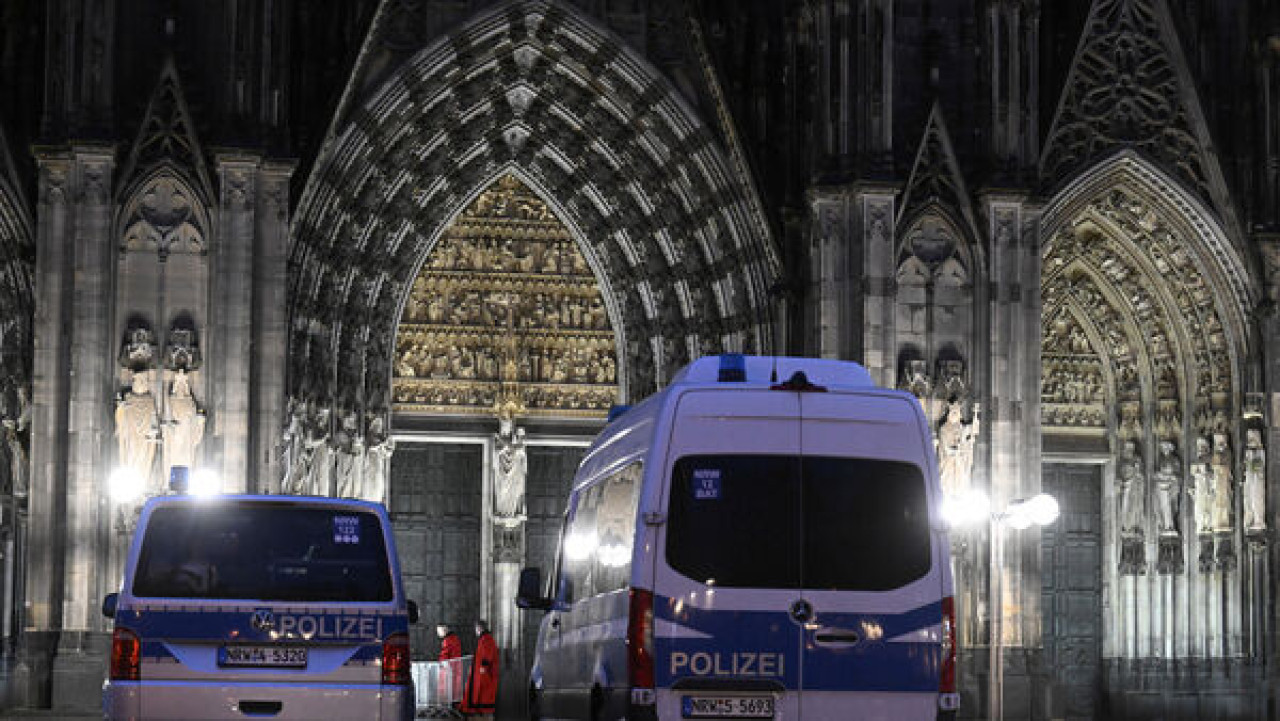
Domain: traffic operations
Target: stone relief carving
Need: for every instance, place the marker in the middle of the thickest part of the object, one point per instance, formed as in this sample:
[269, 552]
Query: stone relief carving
[377, 459]
[506, 309]
[1254, 488]
[15, 420]
[182, 353]
[139, 351]
[1223, 501]
[1168, 495]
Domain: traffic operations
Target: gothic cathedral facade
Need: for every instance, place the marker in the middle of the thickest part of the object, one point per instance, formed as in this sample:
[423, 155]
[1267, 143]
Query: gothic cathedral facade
[414, 250]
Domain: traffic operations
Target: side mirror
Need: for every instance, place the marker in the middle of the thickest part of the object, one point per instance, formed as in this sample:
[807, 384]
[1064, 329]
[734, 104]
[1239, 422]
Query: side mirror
[413, 612]
[109, 605]
[530, 593]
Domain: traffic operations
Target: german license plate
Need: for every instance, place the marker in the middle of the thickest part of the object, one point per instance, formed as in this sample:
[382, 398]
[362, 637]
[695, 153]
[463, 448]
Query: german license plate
[265, 656]
[727, 707]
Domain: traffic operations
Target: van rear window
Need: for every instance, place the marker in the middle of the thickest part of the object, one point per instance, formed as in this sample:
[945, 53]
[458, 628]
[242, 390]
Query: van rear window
[259, 551]
[822, 523]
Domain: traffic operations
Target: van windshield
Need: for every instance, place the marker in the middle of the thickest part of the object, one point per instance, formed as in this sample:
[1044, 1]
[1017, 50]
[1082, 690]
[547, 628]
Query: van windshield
[263, 551]
[823, 523]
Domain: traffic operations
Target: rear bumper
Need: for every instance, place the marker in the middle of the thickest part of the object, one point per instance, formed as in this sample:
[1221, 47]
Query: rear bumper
[161, 700]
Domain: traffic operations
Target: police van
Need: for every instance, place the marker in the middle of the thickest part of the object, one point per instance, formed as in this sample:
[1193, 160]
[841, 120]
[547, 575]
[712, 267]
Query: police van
[239, 607]
[761, 539]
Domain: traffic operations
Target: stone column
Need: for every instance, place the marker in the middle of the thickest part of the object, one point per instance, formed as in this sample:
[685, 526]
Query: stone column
[1011, 382]
[47, 499]
[78, 665]
[831, 295]
[231, 327]
[1270, 328]
[270, 323]
[873, 226]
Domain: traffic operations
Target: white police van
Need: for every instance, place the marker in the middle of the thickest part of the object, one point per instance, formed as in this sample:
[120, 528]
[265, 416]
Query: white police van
[761, 539]
[239, 607]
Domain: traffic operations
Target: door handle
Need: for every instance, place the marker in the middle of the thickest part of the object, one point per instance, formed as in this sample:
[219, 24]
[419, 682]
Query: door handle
[834, 637]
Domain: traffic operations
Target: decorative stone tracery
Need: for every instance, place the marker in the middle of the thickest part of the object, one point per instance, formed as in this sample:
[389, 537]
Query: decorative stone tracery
[667, 228]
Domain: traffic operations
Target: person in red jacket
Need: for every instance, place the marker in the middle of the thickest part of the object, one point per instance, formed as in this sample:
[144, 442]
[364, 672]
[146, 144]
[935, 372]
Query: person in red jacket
[482, 686]
[449, 683]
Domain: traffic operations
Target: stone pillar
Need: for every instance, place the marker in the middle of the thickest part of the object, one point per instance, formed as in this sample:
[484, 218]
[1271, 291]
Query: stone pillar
[42, 613]
[831, 291]
[270, 323]
[1270, 328]
[873, 226]
[1012, 444]
[231, 326]
[79, 662]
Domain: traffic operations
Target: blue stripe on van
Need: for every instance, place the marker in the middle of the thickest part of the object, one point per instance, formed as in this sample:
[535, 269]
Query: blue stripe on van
[766, 644]
[218, 625]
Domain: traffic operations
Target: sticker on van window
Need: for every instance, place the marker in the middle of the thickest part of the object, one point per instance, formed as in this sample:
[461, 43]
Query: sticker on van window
[346, 529]
[706, 484]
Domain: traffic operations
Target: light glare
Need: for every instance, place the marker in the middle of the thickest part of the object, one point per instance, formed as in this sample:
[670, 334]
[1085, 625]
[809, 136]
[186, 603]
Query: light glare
[125, 484]
[205, 482]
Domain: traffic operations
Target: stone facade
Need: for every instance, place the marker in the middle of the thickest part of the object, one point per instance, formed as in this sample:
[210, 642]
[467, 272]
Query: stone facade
[234, 236]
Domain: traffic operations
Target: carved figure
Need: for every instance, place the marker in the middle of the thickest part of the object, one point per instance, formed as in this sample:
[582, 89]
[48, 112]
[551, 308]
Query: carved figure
[1130, 490]
[1201, 488]
[1223, 483]
[377, 454]
[348, 449]
[13, 426]
[1254, 490]
[290, 448]
[186, 429]
[314, 471]
[510, 468]
[955, 449]
[1168, 481]
[136, 427]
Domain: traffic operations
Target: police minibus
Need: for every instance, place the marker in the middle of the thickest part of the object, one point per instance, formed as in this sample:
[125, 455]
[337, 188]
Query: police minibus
[761, 539]
[276, 607]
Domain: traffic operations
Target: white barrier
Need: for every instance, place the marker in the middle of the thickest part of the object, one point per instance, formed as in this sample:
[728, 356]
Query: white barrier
[439, 685]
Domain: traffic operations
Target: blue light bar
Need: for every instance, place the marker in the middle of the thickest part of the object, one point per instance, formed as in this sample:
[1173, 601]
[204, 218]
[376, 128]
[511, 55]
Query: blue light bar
[733, 368]
[179, 479]
[615, 411]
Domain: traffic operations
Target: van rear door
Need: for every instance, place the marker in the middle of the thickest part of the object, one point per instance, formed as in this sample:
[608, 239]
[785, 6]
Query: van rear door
[726, 570]
[872, 567]
[242, 594]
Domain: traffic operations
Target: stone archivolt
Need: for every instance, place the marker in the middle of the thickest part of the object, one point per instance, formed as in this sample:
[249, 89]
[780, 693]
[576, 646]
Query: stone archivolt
[680, 253]
[506, 309]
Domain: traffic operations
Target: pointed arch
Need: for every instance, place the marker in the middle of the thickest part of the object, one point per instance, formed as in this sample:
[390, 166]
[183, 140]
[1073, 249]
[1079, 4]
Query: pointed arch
[585, 121]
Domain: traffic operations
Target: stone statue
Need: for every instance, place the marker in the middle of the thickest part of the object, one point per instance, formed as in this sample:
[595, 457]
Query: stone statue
[186, 429]
[1254, 488]
[955, 449]
[136, 432]
[1222, 483]
[313, 476]
[376, 461]
[348, 448]
[16, 420]
[509, 469]
[1129, 491]
[1168, 482]
[1201, 489]
[290, 448]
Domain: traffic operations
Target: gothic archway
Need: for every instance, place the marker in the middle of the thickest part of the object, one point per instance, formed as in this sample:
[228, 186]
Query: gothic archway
[1147, 354]
[682, 254]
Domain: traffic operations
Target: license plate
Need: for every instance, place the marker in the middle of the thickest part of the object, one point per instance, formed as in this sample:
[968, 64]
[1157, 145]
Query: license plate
[267, 656]
[727, 707]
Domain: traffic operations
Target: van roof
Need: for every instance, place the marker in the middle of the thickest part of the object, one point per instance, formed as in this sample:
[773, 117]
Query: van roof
[767, 370]
[301, 501]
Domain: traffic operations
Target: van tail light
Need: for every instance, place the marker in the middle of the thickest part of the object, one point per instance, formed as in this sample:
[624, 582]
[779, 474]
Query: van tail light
[126, 655]
[396, 670]
[640, 639]
[948, 698]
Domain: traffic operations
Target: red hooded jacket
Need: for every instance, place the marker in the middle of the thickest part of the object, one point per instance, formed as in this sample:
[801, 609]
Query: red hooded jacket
[482, 687]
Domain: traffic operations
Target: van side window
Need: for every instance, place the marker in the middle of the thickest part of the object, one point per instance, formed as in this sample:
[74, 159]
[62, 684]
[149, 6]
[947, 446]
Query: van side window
[600, 536]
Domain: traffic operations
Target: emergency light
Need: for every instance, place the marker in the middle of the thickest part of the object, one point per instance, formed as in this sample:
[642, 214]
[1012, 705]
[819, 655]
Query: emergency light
[179, 479]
